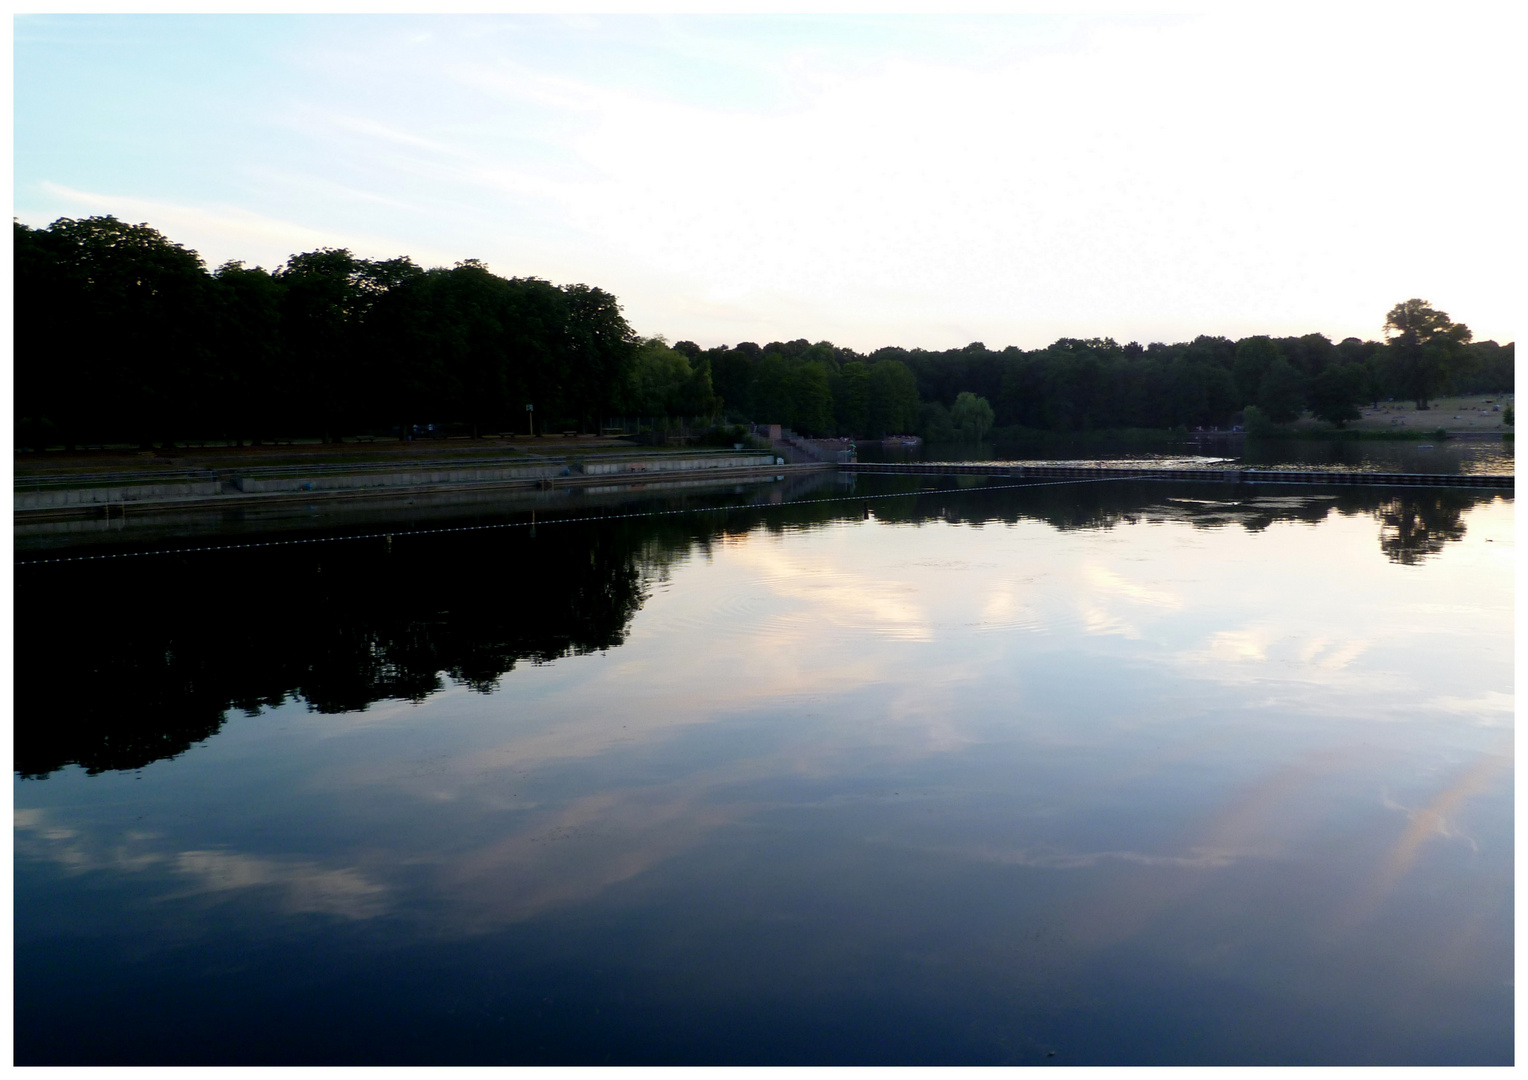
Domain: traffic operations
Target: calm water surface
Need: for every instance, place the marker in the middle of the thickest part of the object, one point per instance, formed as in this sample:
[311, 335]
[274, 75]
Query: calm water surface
[1459, 455]
[1083, 774]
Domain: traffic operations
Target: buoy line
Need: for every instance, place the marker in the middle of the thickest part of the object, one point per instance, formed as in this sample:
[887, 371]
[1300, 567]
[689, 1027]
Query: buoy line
[556, 521]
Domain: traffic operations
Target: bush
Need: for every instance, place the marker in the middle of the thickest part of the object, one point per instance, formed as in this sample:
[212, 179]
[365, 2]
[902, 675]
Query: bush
[726, 435]
[1257, 423]
[934, 424]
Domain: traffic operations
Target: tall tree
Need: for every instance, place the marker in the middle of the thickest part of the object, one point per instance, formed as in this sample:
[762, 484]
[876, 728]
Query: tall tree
[1423, 345]
[771, 392]
[893, 405]
[1281, 395]
[660, 381]
[1336, 392]
[971, 416]
[601, 346]
[328, 293]
[851, 397]
[130, 330]
[811, 397]
[249, 344]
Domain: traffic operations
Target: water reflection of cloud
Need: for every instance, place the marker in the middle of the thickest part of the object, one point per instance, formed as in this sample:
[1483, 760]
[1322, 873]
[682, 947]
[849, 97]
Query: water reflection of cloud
[1239, 646]
[1100, 588]
[839, 595]
[1109, 583]
[1489, 709]
[1328, 655]
[1257, 822]
[1291, 662]
[1061, 860]
[573, 853]
[35, 820]
[1098, 621]
[303, 886]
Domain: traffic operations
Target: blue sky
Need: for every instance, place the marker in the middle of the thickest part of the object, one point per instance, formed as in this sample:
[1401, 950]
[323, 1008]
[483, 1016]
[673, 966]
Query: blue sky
[909, 180]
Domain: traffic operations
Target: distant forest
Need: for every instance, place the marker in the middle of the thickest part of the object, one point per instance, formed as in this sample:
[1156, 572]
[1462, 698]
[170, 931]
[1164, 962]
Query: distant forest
[122, 336]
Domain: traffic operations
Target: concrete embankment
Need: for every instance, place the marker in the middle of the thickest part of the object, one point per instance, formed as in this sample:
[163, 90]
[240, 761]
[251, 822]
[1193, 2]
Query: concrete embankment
[227, 519]
[88, 498]
[236, 490]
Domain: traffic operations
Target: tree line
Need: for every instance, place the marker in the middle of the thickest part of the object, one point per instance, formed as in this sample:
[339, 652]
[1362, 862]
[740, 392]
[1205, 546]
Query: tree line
[123, 336]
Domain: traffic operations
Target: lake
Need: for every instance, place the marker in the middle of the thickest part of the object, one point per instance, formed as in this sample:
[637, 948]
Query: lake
[872, 770]
[1455, 455]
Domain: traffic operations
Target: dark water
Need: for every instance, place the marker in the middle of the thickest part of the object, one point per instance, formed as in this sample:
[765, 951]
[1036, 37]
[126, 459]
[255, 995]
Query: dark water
[1087, 774]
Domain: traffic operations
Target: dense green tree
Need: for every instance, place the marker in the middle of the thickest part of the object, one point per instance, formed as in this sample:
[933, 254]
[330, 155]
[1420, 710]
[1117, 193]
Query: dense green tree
[811, 398]
[1281, 394]
[701, 400]
[1337, 391]
[1482, 367]
[934, 423]
[53, 396]
[731, 376]
[327, 295]
[893, 400]
[658, 380]
[249, 343]
[771, 391]
[851, 398]
[1423, 346]
[1308, 354]
[600, 347]
[129, 326]
[971, 416]
[1254, 355]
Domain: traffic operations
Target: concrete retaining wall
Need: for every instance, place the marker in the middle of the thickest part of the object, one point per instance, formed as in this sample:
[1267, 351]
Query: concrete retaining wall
[676, 464]
[66, 498]
[127, 493]
[414, 478]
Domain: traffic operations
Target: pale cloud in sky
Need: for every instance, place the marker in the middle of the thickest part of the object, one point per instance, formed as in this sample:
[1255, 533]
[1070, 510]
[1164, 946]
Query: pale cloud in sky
[894, 180]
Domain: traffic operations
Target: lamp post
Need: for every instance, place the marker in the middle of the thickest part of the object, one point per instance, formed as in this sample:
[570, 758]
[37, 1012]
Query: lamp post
[530, 419]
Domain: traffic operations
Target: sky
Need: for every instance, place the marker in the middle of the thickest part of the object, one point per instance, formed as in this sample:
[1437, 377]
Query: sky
[920, 181]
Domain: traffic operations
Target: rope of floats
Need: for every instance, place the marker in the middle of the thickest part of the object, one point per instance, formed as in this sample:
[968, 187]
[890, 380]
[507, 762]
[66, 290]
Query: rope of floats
[557, 521]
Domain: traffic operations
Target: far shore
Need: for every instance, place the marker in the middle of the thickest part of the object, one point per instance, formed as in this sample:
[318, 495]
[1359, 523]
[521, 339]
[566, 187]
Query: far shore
[1476, 415]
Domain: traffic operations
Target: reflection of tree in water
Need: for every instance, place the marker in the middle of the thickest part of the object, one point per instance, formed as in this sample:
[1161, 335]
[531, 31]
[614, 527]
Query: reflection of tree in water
[1412, 527]
[124, 662]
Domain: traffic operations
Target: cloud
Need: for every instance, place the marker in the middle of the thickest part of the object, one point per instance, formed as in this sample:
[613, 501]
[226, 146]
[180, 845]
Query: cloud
[224, 232]
[994, 179]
